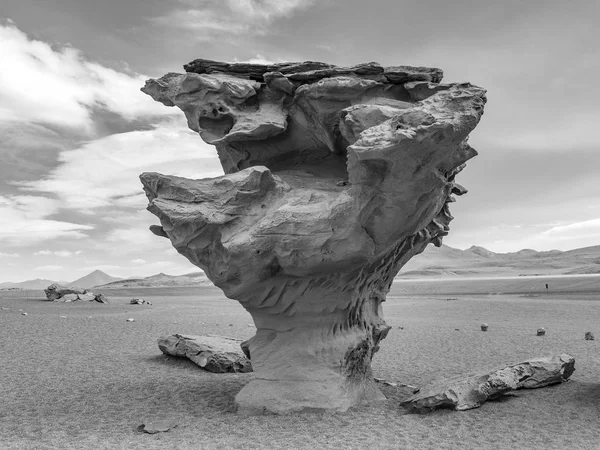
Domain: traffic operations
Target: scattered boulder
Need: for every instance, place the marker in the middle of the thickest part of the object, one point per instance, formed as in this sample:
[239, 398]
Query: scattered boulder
[56, 292]
[218, 354]
[484, 327]
[541, 332]
[140, 301]
[130, 320]
[467, 392]
[589, 336]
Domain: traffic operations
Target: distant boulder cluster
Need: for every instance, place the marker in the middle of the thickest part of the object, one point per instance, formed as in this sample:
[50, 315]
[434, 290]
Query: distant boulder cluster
[58, 293]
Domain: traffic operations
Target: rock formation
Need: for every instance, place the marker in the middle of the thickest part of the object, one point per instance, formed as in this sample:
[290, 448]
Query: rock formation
[217, 354]
[461, 393]
[334, 178]
[58, 293]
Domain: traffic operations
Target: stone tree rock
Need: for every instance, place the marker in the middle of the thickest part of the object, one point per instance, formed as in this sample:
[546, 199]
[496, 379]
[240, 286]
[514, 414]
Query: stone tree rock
[334, 178]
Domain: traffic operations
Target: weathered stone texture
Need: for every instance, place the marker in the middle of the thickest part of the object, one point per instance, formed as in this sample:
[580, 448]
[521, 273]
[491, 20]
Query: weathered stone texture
[217, 354]
[471, 391]
[334, 178]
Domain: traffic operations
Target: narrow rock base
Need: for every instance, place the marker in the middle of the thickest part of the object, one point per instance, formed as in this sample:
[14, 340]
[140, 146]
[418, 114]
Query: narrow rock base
[284, 397]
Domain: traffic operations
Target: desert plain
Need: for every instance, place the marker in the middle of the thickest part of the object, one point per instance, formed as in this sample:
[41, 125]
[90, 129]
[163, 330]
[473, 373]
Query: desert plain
[86, 380]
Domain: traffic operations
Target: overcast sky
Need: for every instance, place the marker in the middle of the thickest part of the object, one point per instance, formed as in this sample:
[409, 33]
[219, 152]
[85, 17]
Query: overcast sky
[76, 131]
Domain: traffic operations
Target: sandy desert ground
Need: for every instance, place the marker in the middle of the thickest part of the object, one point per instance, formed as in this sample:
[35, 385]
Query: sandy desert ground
[86, 381]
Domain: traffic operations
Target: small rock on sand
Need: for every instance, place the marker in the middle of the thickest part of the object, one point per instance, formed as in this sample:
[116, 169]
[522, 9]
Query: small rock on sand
[140, 301]
[23, 313]
[158, 426]
[130, 320]
[589, 336]
[4, 309]
[484, 327]
[541, 332]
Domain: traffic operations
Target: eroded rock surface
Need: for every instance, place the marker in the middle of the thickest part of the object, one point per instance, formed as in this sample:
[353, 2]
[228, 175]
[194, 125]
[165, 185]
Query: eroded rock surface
[217, 354]
[334, 178]
[58, 293]
[471, 391]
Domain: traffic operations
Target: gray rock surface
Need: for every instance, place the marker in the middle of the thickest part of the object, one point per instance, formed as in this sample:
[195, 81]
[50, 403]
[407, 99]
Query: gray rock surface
[68, 298]
[56, 291]
[139, 301]
[470, 391]
[334, 178]
[217, 354]
[65, 294]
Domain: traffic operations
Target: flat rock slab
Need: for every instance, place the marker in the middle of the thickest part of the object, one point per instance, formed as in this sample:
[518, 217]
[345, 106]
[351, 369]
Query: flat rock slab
[218, 354]
[470, 391]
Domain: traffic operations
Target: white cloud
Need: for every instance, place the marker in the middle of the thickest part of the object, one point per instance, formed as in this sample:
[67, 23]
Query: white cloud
[48, 268]
[589, 229]
[39, 83]
[562, 236]
[61, 253]
[214, 18]
[23, 221]
[258, 59]
[105, 172]
[9, 255]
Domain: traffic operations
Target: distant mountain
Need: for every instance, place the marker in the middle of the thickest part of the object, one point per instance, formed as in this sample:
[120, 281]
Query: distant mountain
[478, 261]
[480, 251]
[38, 283]
[95, 278]
[160, 280]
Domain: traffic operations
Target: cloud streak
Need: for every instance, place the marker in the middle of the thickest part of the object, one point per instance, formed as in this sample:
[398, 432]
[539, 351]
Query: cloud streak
[217, 18]
[23, 221]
